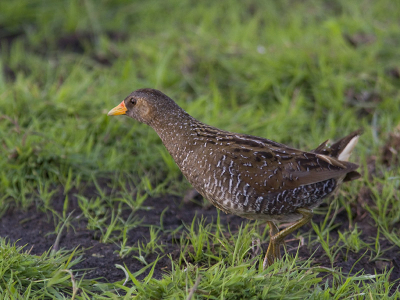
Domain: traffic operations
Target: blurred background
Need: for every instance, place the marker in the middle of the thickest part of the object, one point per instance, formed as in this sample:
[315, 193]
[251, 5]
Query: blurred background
[298, 72]
[293, 71]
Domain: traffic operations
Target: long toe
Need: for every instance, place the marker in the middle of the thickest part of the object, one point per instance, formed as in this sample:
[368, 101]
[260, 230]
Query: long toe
[277, 250]
[271, 254]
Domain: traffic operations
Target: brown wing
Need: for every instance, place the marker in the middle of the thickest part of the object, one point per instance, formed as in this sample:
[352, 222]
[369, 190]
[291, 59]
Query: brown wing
[270, 166]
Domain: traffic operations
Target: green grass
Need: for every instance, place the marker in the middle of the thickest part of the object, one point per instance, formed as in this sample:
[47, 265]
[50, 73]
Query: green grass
[228, 269]
[26, 276]
[281, 70]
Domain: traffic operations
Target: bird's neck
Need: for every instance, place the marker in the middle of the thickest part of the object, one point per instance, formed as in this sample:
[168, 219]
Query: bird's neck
[175, 130]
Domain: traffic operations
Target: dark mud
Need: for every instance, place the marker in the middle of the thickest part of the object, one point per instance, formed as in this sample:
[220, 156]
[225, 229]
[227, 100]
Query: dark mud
[36, 230]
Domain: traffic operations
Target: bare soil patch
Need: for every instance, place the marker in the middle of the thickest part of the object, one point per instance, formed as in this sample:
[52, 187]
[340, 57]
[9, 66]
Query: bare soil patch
[35, 229]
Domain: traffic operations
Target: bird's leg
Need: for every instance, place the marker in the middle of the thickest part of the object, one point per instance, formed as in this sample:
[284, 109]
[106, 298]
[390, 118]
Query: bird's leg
[273, 248]
[276, 239]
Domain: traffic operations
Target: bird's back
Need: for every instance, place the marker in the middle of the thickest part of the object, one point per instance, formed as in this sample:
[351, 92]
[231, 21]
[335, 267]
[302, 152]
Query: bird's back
[255, 177]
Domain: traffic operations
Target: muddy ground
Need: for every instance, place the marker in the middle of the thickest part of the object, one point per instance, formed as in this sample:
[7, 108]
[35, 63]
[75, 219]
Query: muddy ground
[36, 229]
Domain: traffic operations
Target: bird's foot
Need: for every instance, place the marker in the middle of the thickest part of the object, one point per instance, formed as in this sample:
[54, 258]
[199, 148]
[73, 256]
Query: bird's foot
[273, 253]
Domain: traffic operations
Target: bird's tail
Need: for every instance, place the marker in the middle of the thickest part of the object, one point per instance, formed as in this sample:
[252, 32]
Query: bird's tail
[342, 150]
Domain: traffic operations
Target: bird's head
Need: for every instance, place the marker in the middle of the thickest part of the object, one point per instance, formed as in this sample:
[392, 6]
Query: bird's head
[145, 105]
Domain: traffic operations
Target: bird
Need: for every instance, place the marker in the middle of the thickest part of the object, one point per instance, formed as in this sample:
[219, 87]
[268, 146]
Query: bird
[252, 177]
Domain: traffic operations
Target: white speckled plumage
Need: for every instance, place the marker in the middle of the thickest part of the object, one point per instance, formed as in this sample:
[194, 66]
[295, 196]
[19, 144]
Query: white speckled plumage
[249, 176]
[245, 175]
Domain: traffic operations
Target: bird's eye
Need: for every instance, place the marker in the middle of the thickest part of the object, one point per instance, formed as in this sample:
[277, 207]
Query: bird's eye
[133, 101]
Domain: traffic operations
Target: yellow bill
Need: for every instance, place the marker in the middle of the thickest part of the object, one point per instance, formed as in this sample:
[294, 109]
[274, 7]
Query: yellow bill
[118, 110]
